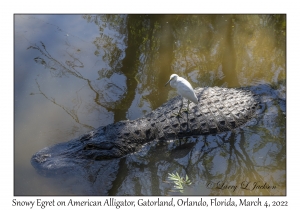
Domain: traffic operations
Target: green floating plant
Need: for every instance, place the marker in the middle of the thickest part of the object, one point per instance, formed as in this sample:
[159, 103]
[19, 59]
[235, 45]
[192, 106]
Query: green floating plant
[180, 182]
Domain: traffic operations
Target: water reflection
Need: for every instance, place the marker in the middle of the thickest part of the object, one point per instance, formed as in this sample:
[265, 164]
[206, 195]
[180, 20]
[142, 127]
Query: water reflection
[99, 69]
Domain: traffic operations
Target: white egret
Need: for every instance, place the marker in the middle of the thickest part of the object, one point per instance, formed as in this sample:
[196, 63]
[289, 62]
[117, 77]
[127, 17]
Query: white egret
[184, 88]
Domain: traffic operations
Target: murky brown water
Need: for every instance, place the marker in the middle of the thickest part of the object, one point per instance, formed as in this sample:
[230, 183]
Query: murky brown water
[74, 73]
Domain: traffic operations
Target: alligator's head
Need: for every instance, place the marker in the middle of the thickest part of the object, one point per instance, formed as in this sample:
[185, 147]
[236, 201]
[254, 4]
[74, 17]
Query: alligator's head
[56, 159]
[63, 157]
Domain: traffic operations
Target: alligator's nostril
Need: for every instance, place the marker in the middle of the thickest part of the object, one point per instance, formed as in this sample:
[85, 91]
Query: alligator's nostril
[41, 158]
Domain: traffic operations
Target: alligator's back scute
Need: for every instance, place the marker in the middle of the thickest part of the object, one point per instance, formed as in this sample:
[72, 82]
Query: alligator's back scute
[219, 110]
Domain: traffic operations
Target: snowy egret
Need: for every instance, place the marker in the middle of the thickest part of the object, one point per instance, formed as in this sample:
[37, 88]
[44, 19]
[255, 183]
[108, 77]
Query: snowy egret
[184, 88]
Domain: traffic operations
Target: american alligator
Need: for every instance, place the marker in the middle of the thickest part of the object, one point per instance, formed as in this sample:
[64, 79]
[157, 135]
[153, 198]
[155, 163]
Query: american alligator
[218, 110]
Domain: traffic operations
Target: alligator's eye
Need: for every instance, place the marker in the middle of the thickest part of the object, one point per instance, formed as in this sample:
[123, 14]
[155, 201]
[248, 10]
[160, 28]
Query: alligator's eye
[102, 157]
[88, 147]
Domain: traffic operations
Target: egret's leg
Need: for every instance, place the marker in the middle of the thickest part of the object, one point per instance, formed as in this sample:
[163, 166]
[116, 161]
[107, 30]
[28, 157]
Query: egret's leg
[179, 114]
[180, 106]
[188, 105]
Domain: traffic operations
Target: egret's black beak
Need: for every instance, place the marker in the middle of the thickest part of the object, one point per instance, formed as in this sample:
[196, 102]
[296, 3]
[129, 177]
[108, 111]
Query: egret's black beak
[168, 82]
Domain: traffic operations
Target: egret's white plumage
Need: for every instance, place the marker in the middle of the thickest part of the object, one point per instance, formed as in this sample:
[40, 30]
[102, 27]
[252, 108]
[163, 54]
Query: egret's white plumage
[184, 88]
